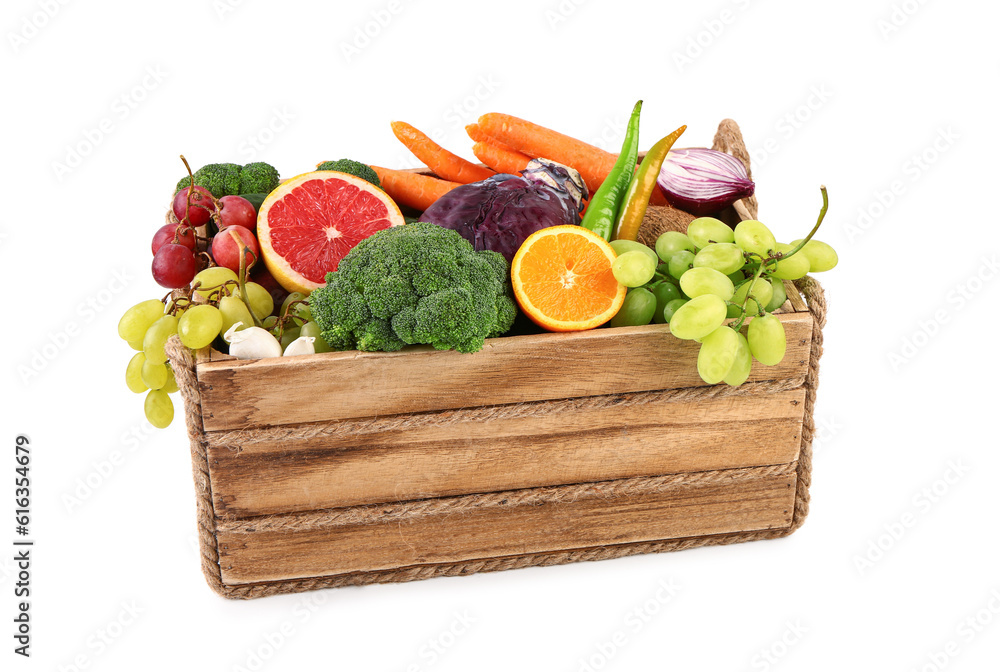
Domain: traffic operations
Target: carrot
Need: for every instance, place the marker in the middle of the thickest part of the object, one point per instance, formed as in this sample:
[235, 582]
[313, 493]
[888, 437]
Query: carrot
[478, 135]
[500, 159]
[594, 164]
[413, 189]
[445, 165]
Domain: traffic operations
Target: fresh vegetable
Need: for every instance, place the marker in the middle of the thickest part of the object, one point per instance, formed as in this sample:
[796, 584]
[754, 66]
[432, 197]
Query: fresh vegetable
[223, 179]
[251, 342]
[303, 345]
[563, 281]
[641, 187]
[593, 163]
[445, 165]
[412, 189]
[418, 283]
[503, 160]
[602, 212]
[355, 168]
[703, 181]
[500, 212]
[310, 222]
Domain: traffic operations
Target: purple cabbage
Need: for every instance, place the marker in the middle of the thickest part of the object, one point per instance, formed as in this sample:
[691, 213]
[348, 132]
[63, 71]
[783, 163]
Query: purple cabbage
[500, 212]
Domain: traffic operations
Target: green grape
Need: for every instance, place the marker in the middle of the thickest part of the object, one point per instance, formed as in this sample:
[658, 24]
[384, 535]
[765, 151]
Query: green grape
[733, 310]
[633, 269]
[269, 322]
[664, 270]
[303, 312]
[701, 280]
[261, 301]
[313, 329]
[670, 242]
[698, 317]
[705, 230]
[717, 354]
[199, 326]
[171, 385]
[664, 292]
[154, 375]
[737, 277]
[740, 370]
[233, 310]
[136, 344]
[821, 256]
[637, 310]
[211, 279]
[671, 308]
[159, 409]
[133, 373]
[294, 296]
[752, 236]
[792, 268]
[680, 263]
[723, 257]
[137, 319]
[156, 337]
[766, 337]
[289, 336]
[778, 295]
[761, 292]
[622, 246]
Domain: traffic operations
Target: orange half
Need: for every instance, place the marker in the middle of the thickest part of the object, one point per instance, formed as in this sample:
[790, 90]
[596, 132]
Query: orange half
[563, 281]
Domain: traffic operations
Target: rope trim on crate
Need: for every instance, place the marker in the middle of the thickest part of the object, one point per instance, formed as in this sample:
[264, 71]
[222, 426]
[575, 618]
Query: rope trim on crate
[235, 439]
[727, 139]
[408, 511]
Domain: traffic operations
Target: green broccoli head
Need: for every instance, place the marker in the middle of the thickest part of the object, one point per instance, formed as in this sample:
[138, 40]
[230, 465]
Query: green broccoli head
[227, 179]
[355, 168]
[258, 178]
[417, 283]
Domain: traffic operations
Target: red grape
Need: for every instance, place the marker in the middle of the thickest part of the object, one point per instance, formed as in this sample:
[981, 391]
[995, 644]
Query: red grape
[226, 251]
[202, 206]
[174, 266]
[185, 236]
[237, 211]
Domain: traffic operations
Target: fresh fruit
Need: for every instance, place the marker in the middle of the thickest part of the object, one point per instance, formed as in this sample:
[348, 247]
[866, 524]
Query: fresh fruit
[634, 269]
[705, 230]
[236, 211]
[234, 310]
[679, 263]
[724, 257]
[742, 362]
[699, 281]
[260, 300]
[174, 266]
[310, 222]
[133, 373]
[664, 292]
[174, 233]
[717, 354]
[137, 319]
[766, 336]
[228, 244]
[698, 317]
[154, 376]
[821, 256]
[156, 337]
[672, 306]
[563, 281]
[752, 236]
[159, 409]
[670, 242]
[199, 326]
[211, 280]
[200, 209]
[792, 268]
[637, 310]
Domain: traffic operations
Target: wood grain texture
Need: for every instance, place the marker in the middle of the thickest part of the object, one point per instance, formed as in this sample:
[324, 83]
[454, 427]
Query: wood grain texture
[761, 503]
[339, 385]
[579, 446]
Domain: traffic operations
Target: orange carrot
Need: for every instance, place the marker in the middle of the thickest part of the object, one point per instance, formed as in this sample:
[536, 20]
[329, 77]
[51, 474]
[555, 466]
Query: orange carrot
[500, 159]
[445, 165]
[413, 189]
[594, 164]
[478, 135]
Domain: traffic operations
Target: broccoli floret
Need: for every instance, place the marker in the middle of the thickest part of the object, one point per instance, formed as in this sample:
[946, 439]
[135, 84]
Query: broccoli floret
[226, 179]
[258, 178]
[355, 168]
[417, 283]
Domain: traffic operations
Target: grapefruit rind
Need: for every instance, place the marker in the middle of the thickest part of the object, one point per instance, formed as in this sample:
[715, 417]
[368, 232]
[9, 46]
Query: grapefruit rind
[535, 312]
[289, 278]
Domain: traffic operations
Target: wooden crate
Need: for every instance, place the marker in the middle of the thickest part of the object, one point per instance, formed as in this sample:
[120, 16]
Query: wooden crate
[351, 468]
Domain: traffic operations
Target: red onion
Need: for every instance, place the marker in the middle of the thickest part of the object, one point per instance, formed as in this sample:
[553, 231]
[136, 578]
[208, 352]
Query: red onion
[703, 181]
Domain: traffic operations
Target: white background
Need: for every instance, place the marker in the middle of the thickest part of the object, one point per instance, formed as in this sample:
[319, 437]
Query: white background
[851, 94]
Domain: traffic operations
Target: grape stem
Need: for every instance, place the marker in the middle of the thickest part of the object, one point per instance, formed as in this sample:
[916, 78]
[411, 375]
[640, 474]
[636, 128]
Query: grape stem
[244, 251]
[822, 215]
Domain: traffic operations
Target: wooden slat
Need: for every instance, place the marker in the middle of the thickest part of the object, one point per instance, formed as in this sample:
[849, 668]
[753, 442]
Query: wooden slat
[761, 503]
[576, 446]
[331, 386]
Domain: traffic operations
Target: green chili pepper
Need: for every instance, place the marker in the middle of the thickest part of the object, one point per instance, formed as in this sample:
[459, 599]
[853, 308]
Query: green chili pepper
[608, 199]
[641, 188]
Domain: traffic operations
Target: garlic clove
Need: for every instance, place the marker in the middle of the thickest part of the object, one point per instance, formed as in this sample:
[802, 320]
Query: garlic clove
[251, 343]
[303, 345]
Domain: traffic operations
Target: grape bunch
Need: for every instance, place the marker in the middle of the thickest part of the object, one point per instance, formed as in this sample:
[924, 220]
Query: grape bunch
[699, 280]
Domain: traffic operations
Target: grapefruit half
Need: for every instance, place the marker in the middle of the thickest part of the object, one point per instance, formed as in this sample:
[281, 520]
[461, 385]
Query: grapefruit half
[307, 225]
